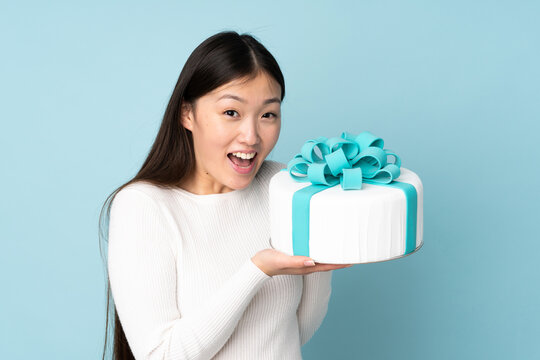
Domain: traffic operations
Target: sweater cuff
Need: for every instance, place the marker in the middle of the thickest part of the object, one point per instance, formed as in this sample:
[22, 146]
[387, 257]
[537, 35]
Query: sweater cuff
[255, 271]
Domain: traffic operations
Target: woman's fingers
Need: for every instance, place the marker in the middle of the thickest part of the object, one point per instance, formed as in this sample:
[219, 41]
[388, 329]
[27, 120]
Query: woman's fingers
[275, 262]
[317, 267]
[330, 266]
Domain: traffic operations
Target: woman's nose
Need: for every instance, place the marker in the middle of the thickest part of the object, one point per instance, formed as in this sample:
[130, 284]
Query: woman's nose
[249, 132]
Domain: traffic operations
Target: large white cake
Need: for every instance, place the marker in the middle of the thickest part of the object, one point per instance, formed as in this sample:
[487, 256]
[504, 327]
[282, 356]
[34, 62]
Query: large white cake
[349, 226]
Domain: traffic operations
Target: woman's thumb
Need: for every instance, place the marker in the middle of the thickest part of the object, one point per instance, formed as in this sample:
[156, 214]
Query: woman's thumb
[308, 261]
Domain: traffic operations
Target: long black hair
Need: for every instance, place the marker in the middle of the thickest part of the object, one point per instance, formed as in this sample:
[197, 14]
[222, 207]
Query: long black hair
[221, 58]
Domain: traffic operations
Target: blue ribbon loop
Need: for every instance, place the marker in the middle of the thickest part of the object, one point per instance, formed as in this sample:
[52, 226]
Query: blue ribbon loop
[349, 161]
[346, 160]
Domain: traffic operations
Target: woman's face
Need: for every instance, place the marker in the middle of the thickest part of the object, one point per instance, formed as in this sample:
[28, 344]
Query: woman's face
[238, 117]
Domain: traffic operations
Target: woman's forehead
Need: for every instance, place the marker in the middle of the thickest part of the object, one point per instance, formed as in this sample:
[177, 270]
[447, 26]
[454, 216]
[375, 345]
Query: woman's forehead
[238, 90]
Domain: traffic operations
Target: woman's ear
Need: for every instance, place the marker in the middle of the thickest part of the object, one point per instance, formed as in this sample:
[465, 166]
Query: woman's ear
[186, 115]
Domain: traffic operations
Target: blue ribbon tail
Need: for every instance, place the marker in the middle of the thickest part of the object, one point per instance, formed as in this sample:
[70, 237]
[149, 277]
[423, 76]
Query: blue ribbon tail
[300, 217]
[412, 211]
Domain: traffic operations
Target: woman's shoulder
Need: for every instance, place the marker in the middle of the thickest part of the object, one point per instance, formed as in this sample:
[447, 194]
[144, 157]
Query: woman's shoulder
[143, 190]
[269, 168]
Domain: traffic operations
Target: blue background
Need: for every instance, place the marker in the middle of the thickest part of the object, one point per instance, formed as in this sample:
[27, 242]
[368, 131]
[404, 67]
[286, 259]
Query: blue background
[452, 87]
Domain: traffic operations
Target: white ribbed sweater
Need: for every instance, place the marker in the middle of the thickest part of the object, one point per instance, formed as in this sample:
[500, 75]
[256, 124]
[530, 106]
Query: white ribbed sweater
[185, 287]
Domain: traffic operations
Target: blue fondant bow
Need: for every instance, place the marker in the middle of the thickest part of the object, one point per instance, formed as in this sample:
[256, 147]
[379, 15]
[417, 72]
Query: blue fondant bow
[346, 160]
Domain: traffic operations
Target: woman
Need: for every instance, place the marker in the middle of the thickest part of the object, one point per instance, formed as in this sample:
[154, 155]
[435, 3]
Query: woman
[191, 269]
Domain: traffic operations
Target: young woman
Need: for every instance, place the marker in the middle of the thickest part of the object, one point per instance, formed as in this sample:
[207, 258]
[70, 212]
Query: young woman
[190, 265]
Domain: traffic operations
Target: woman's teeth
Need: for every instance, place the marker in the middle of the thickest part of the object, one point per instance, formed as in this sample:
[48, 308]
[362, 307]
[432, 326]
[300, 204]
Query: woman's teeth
[244, 155]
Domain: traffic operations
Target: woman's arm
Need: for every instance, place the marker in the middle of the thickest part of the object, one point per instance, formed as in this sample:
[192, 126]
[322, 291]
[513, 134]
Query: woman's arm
[142, 274]
[314, 303]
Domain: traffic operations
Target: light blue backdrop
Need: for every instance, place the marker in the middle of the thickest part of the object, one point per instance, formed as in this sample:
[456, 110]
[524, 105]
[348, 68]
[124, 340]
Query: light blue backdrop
[452, 86]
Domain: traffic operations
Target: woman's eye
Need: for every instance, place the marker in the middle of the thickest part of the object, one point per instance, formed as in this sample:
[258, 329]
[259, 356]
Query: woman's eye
[274, 115]
[232, 112]
[229, 112]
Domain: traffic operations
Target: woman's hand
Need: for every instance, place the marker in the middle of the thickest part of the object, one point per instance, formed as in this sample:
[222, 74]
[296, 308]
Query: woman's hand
[274, 262]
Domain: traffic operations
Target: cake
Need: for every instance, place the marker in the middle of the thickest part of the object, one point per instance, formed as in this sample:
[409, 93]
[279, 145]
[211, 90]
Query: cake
[341, 201]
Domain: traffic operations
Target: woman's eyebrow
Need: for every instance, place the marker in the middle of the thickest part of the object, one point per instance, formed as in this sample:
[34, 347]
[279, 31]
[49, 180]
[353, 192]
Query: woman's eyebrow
[234, 97]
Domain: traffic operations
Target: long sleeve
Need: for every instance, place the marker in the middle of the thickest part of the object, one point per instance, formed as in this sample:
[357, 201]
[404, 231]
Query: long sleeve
[143, 279]
[314, 303]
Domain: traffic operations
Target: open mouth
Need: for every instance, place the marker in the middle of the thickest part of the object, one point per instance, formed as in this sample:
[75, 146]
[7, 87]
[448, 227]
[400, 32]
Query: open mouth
[241, 163]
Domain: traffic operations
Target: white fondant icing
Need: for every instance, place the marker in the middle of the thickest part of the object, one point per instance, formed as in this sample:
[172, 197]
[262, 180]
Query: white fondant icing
[347, 226]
